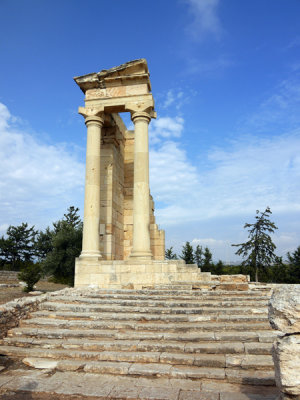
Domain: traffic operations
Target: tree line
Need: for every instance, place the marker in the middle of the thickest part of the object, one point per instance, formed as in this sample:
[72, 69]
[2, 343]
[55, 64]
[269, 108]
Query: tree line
[258, 254]
[50, 252]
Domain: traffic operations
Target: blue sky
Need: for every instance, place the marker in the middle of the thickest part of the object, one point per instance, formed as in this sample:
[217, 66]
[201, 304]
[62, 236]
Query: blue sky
[225, 76]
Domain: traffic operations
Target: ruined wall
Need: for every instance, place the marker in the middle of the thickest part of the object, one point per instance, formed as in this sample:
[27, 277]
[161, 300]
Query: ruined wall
[112, 185]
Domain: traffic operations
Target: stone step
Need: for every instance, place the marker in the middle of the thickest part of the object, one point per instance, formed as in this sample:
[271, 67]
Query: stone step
[228, 336]
[160, 303]
[146, 326]
[192, 296]
[199, 283]
[151, 292]
[148, 317]
[40, 384]
[143, 345]
[245, 361]
[169, 293]
[151, 370]
[56, 306]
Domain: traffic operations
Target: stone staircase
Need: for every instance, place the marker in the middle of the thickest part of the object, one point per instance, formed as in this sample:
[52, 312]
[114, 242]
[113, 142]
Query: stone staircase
[198, 340]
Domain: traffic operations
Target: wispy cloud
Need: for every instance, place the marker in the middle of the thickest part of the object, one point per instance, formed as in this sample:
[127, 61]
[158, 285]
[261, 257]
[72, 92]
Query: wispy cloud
[294, 43]
[280, 110]
[208, 66]
[38, 180]
[174, 98]
[204, 19]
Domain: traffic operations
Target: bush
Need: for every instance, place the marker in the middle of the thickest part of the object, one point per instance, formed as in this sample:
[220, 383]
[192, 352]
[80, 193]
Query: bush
[30, 274]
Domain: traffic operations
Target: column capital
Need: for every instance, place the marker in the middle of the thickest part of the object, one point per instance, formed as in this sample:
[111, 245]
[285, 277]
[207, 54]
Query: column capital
[92, 115]
[142, 107]
[140, 115]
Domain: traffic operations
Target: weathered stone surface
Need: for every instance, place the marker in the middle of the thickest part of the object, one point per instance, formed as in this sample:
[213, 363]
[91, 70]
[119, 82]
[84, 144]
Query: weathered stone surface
[284, 309]
[250, 377]
[107, 367]
[197, 395]
[40, 363]
[159, 393]
[150, 369]
[286, 355]
[125, 392]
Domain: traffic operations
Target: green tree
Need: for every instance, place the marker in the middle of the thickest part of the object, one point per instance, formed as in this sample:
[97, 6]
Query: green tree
[30, 274]
[198, 256]
[43, 244]
[294, 264]
[66, 246]
[218, 268]
[207, 260]
[18, 247]
[169, 255]
[258, 251]
[187, 253]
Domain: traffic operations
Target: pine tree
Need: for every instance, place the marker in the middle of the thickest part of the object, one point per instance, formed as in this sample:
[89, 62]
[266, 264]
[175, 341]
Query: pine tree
[198, 256]
[169, 255]
[187, 253]
[294, 263]
[66, 246]
[207, 261]
[258, 251]
[18, 247]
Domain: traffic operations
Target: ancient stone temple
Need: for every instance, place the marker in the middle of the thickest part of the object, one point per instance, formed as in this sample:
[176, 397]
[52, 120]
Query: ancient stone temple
[113, 152]
[122, 245]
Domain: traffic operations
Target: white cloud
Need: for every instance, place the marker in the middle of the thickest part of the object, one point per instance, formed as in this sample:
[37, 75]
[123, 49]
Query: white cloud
[165, 128]
[204, 19]
[209, 242]
[252, 174]
[38, 180]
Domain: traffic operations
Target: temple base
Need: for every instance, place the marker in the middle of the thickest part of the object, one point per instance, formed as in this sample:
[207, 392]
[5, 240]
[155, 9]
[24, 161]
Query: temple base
[137, 274]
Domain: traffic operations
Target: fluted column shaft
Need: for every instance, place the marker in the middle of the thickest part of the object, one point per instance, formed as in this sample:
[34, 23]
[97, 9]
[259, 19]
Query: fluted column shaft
[91, 221]
[141, 203]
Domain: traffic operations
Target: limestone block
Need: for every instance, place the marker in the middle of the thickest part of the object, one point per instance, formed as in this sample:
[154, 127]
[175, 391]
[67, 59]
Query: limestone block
[284, 309]
[233, 278]
[286, 356]
[128, 219]
[128, 213]
[233, 286]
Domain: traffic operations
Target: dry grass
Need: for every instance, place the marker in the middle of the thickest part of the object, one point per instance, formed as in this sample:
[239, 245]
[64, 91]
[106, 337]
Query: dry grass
[11, 293]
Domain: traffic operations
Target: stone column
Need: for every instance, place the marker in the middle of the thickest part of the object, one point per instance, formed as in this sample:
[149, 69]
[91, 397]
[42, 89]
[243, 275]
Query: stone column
[141, 202]
[91, 220]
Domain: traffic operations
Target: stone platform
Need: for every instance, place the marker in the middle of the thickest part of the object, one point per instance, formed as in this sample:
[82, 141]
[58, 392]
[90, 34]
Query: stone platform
[90, 272]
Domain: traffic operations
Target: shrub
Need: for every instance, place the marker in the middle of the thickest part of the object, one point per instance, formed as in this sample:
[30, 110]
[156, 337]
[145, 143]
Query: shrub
[30, 274]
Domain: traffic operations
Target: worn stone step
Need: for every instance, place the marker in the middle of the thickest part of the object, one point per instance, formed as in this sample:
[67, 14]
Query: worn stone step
[245, 361]
[160, 303]
[228, 336]
[148, 294]
[212, 284]
[148, 317]
[256, 377]
[146, 326]
[191, 295]
[53, 306]
[143, 345]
